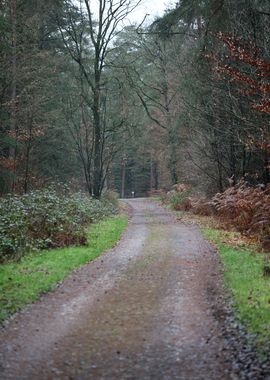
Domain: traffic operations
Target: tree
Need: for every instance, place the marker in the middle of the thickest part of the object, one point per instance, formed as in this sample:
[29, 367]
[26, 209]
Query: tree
[29, 108]
[147, 63]
[220, 122]
[246, 66]
[88, 39]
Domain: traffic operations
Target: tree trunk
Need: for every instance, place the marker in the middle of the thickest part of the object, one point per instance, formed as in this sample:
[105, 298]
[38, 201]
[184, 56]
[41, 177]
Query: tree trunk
[232, 155]
[27, 155]
[172, 157]
[13, 121]
[155, 169]
[123, 179]
[151, 172]
[27, 162]
[97, 149]
[266, 167]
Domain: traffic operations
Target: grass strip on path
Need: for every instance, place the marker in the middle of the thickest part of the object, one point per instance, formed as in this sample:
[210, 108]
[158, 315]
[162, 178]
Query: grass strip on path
[23, 282]
[243, 270]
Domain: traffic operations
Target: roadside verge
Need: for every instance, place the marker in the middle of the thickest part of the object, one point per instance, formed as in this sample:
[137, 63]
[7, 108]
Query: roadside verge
[23, 282]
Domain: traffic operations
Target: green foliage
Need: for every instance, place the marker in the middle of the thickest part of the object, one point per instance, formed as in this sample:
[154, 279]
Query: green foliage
[179, 197]
[22, 282]
[41, 150]
[110, 198]
[178, 200]
[250, 289]
[46, 219]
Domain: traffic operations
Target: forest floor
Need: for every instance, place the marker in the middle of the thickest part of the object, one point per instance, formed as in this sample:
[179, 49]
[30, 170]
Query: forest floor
[153, 307]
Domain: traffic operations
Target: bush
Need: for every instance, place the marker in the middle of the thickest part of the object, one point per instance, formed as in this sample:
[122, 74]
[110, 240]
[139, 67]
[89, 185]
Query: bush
[181, 201]
[245, 208]
[178, 198]
[110, 198]
[46, 219]
[202, 206]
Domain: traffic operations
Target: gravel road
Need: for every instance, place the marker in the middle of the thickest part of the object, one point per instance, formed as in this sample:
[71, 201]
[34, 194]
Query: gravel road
[146, 309]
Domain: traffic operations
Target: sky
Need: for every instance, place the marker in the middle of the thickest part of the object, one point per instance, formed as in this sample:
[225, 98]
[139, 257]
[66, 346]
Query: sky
[152, 7]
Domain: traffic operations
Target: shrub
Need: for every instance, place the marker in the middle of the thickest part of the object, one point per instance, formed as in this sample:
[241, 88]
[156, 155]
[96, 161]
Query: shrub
[46, 219]
[202, 206]
[181, 201]
[179, 197]
[110, 198]
[245, 208]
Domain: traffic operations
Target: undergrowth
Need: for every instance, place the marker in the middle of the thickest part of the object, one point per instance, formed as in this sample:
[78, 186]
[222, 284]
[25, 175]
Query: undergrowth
[245, 208]
[242, 207]
[23, 282]
[47, 218]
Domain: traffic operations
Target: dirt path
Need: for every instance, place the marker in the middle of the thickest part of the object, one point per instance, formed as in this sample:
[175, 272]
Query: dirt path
[144, 310]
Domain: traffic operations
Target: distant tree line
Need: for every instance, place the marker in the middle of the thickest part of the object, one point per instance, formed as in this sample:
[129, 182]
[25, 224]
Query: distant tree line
[202, 75]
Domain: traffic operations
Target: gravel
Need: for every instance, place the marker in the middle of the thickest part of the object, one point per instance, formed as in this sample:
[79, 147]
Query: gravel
[153, 307]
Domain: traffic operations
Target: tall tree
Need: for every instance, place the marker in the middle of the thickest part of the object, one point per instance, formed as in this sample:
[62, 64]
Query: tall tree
[30, 63]
[221, 122]
[89, 42]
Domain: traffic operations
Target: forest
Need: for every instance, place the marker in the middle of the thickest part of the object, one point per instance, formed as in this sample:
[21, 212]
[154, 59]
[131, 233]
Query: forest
[173, 111]
[96, 104]
[99, 104]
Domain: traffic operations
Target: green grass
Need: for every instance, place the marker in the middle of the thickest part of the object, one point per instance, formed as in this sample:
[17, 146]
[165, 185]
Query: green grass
[23, 282]
[250, 289]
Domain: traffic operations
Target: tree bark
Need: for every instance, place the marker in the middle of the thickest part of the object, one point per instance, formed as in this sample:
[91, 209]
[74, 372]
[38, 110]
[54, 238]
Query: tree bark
[123, 179]
[13, 120]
